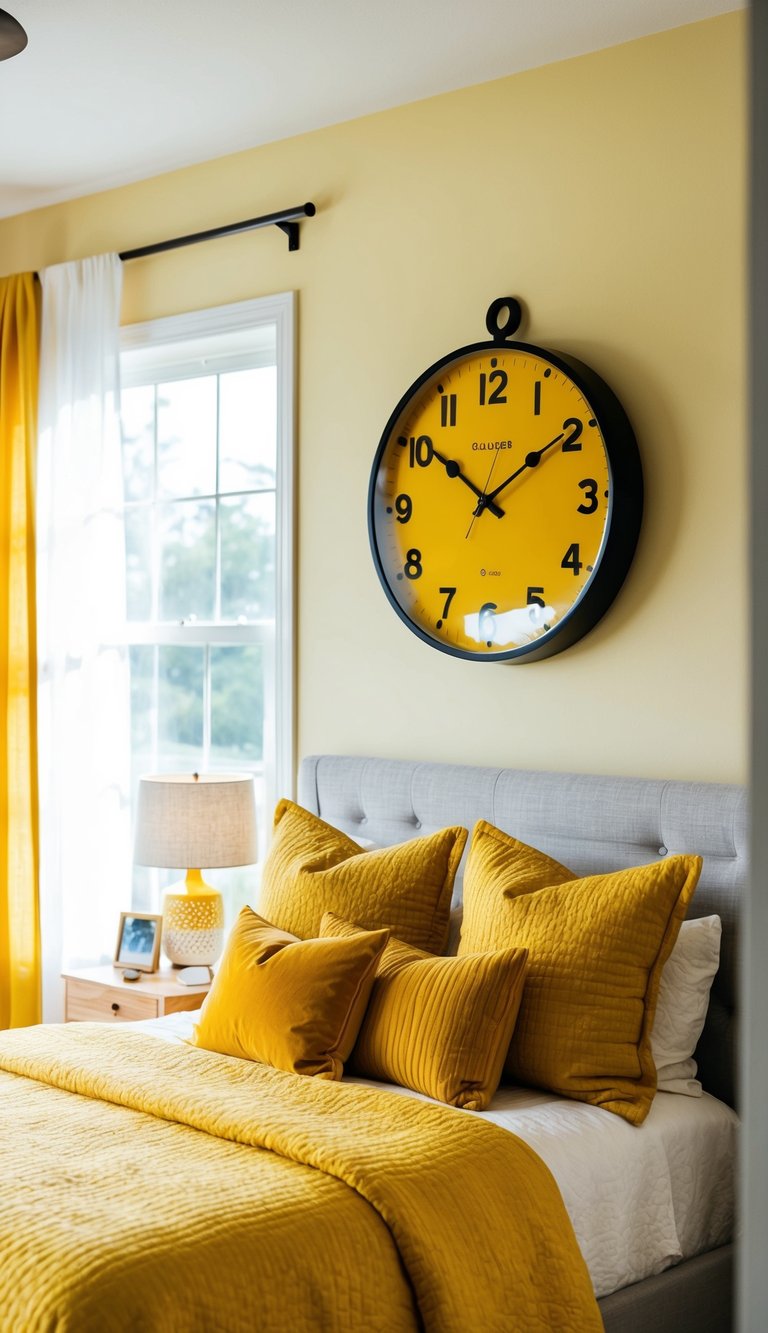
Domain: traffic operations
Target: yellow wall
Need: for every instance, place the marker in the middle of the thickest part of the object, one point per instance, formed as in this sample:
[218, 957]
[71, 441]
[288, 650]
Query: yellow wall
[606, 191]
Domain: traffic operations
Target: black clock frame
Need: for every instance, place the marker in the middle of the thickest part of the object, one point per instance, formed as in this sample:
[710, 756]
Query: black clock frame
[625, 505]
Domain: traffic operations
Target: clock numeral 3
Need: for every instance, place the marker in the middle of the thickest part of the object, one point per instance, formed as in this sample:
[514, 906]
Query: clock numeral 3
[571, 559]
[412, 567]
[589, 486]
[404, 507]
[572, 443]
[497, 394]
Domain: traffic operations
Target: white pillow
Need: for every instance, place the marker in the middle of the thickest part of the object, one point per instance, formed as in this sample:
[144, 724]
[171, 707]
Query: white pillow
[682, 1005]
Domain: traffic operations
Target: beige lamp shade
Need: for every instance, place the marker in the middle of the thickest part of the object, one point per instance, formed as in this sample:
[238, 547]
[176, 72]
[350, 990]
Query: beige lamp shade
[203, 820]
[194, 821]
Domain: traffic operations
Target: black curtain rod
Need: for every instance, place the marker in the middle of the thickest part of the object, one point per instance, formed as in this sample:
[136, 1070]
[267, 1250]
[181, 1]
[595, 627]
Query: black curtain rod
[286, 220]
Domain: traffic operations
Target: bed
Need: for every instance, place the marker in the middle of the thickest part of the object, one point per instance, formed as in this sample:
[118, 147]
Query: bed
[652, 1207]
[595, 824]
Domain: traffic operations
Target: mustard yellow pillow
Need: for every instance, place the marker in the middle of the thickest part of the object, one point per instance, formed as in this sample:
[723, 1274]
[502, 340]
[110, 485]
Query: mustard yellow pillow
[438, 1025]
[596, 947]
[313, 868]
[294, 1004]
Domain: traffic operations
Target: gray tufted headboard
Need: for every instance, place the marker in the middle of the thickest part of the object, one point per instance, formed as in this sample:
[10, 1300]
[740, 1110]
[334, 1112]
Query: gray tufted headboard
[592, 824]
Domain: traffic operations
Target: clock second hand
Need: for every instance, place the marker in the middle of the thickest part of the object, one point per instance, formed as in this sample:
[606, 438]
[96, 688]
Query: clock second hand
[453, 470]
[531, 460]
[483, 501]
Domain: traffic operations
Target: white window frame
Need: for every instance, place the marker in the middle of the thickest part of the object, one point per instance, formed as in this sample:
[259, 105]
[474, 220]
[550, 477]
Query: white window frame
[238, 320]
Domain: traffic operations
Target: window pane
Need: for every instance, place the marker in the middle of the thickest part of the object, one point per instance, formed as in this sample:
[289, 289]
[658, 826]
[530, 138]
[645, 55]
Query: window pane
[248, 429]
[237, 706]
[247, 527]
[138, 562]
[142, 667]
[137, 416]
[186, 437]
[187, 537]
[180, 708]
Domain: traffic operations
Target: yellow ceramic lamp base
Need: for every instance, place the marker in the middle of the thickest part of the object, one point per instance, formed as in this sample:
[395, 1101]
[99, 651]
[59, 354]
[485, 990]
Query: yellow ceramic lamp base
[193, 922]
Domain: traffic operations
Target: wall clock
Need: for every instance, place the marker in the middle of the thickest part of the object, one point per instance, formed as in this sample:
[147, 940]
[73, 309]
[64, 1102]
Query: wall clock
[505, 499]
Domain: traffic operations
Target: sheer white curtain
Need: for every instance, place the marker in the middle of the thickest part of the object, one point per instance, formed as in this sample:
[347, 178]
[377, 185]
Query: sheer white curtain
[84, 720]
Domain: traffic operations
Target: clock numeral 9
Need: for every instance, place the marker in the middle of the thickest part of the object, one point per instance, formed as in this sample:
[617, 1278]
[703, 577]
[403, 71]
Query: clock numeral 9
[403, 507]
[571, 559]
[589, 486]
[449, 594]
[412, 567]
[497, 394]
[420, 451]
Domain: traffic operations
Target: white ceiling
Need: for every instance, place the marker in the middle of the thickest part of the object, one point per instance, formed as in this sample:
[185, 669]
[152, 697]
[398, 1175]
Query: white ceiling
[108, 93]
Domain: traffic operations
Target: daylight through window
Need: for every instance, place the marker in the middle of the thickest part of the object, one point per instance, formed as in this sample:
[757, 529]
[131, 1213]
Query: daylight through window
[206, 421]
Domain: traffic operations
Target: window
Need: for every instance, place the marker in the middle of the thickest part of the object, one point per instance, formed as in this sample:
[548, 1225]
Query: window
[207, 426]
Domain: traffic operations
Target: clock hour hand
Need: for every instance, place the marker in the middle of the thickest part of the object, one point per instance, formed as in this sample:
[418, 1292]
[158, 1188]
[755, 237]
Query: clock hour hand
[453, 470]
[531, 460]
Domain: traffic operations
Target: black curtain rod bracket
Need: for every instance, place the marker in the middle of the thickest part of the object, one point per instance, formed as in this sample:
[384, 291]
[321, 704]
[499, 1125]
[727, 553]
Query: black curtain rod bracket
[287, 220]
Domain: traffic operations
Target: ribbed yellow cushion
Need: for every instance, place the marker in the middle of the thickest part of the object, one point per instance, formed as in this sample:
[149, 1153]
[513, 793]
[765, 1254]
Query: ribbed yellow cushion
[596, 948]
[313, 868]
[293, 1004]
[438, 1025]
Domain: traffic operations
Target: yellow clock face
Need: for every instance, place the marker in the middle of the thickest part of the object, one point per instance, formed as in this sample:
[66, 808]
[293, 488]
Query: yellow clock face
[491, 503]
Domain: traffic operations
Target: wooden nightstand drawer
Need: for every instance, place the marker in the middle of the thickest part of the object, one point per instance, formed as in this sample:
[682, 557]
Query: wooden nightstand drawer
[89, 1002]
[99, 995]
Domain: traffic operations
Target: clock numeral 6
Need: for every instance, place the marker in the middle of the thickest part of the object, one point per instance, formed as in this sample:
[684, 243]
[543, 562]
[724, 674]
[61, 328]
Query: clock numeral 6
[589, 486]
[412, 567]
[571, 559]
[403, 507]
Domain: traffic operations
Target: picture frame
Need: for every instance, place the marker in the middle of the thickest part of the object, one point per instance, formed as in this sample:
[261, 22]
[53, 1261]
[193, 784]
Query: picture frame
[138, 941]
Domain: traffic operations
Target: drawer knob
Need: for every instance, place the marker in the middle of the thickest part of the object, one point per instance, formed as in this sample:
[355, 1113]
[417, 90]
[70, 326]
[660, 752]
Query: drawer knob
[115, 1008]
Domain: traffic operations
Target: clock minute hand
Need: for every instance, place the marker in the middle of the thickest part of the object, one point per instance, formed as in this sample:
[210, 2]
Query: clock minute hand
[531, 460]
[453, 470]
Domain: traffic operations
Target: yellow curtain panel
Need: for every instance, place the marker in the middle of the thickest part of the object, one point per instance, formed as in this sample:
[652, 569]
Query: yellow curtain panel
[20, 967]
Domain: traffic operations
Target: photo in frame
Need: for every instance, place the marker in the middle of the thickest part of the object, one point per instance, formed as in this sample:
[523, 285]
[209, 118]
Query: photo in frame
[138, 941]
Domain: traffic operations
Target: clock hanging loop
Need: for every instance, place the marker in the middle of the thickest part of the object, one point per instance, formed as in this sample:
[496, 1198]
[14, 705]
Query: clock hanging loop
[503, 318]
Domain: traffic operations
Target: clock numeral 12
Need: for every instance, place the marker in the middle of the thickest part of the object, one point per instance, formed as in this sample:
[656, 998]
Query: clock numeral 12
[448, 409]
[497, 394]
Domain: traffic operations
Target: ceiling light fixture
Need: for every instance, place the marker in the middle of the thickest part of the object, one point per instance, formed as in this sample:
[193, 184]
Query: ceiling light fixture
[13, 38]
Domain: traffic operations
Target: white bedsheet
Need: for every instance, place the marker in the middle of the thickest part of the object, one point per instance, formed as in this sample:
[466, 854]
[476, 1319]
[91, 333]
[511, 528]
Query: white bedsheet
[640, 1199]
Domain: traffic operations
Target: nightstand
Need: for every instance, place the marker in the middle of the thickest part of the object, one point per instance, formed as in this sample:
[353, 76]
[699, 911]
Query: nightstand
[99, 994]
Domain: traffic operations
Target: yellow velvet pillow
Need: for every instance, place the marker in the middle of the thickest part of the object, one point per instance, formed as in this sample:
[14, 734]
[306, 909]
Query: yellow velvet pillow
[313, 868]
[438, 1025]
[294, 1004]
[596, 948]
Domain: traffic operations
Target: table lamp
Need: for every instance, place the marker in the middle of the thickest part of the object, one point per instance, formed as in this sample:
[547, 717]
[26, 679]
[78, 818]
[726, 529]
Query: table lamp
[195, 820]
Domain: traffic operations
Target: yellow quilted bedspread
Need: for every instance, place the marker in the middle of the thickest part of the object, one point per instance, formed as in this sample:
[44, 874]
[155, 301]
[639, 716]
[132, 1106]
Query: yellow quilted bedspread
[184, 1192]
